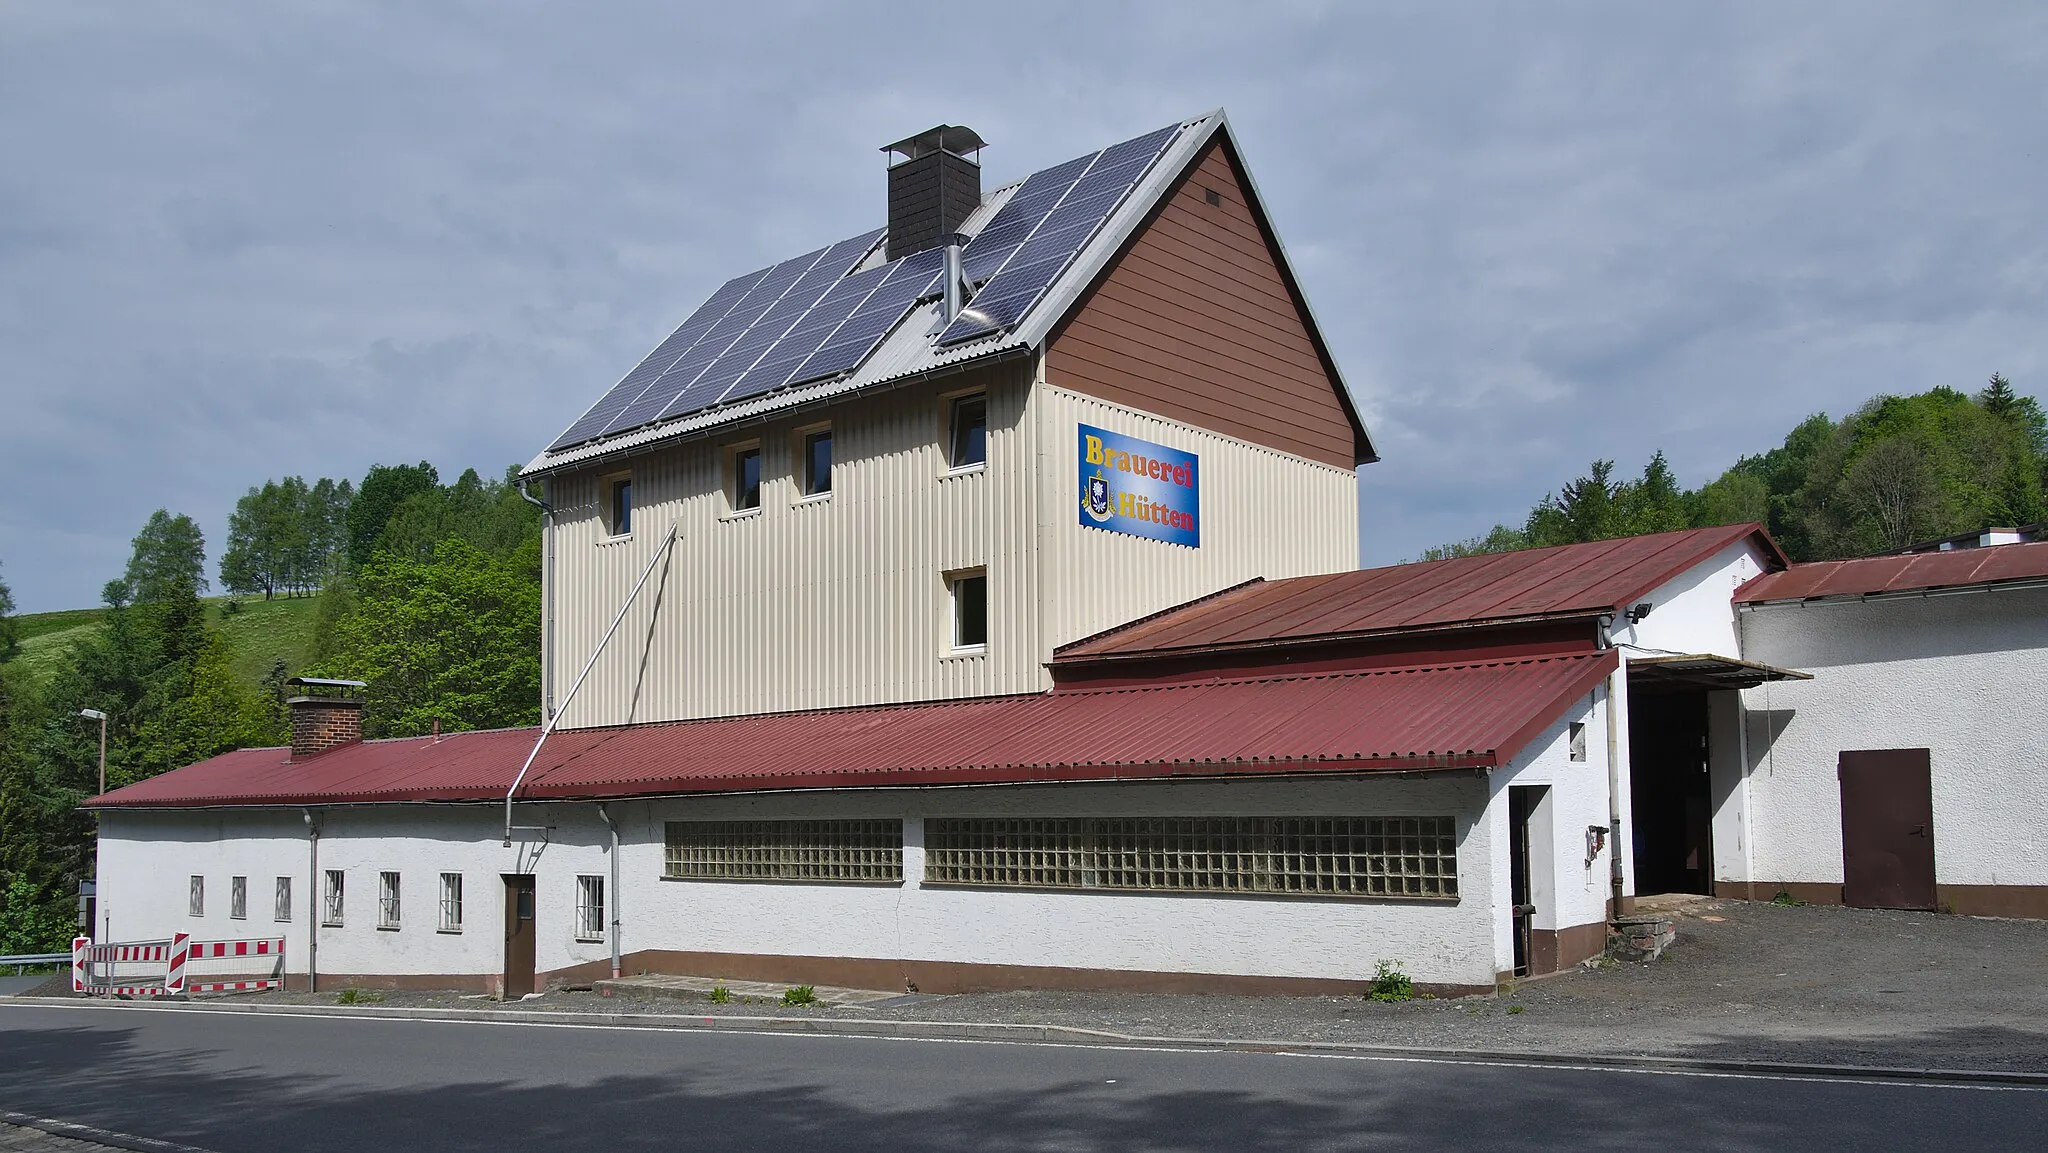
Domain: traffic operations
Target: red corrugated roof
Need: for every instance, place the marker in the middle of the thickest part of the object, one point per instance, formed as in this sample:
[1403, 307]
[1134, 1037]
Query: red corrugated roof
[1473, 715]
[1993, 564]
[1568, 580]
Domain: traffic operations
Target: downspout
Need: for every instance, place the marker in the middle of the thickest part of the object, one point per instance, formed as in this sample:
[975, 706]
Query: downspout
[660, 551]
[1616, 882]
[547, 612]
[313, 904]
[614, 827]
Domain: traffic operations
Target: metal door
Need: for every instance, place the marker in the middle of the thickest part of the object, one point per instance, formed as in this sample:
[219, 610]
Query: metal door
[518, 935]
[1887, 828]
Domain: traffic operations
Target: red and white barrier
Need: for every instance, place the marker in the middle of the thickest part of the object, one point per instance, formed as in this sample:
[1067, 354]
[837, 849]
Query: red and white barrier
[159, 968]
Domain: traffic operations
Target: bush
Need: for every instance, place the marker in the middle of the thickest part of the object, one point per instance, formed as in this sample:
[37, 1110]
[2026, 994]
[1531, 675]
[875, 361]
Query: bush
[800, 995]
[1391, 983]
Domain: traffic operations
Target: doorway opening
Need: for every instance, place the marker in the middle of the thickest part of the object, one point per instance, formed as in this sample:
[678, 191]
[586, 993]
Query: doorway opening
[1670, 789]
[519, 935]
[1529, 887]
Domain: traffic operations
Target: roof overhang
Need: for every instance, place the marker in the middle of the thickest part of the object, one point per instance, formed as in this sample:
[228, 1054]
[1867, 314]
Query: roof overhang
[1705, 671]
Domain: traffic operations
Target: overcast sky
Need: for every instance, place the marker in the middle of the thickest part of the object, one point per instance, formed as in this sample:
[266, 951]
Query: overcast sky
[241, 242]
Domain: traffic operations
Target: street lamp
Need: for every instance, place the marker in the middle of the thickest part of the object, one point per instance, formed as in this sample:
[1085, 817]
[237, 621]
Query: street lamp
[96, 715]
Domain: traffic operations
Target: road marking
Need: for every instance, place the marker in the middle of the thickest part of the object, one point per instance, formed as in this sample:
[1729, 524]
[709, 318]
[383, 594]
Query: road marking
[1193, 1049]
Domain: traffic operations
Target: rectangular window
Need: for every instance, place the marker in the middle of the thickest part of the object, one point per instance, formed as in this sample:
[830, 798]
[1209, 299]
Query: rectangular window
[590, 908]
[451, 902]
[970, 610]
[1380, 857]
[1578, 732]
[622, 506]
[195, 898]
[330, 906]
[387, 900]
[968, 431]
[858, 852]
[818, 463]
[238, 898]
[746, 479]
[281, 903]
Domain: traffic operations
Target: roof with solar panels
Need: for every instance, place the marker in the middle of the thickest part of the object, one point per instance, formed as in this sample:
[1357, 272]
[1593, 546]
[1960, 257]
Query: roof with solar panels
[848, 316]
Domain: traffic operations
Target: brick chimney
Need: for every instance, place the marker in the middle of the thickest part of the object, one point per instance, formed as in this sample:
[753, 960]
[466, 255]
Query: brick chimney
[932, 187]
[328, 715]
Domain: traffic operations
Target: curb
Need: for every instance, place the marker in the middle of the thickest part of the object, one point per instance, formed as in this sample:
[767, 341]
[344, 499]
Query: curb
[96, 1136]
[1075, 1035]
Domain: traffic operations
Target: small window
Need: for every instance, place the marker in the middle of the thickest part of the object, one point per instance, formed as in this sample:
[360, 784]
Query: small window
[195, 898]
[590, 908]
[238, 898]
[622, 506]
[969, 431]
[451, 902]
[1214, 197]
[818, 463]
[1578, 740]
[330, 907]
[387, 900]
[281, 904]
[746, 479]
[970, 610]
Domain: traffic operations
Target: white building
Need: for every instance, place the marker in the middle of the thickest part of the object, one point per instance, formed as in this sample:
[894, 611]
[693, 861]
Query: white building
[981, 612]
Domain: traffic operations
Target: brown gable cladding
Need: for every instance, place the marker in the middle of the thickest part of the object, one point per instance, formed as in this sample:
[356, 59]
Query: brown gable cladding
[1199, 321]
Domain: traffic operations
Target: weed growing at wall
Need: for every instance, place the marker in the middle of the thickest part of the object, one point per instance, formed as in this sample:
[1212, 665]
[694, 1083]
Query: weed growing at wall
[1391, 983]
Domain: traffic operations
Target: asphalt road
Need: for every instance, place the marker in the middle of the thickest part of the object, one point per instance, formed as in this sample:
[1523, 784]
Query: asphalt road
[263, 1083]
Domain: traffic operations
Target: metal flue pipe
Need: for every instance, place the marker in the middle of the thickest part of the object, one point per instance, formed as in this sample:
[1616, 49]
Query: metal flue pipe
[660, 552]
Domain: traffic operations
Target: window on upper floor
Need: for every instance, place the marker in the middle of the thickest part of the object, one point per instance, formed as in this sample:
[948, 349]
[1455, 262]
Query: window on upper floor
[967, 431]
[621, 518]
[746, 479]
[970, 609]
[818, 462]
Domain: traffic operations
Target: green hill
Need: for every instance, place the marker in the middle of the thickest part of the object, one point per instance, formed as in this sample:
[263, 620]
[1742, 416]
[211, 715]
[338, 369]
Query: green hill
[262, 632]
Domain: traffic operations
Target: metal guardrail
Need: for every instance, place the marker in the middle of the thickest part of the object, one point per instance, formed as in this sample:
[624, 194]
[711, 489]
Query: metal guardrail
[22, 961]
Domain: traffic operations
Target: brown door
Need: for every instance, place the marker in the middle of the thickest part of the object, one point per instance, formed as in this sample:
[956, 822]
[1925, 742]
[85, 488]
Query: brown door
[518, 935]
[1887, 829]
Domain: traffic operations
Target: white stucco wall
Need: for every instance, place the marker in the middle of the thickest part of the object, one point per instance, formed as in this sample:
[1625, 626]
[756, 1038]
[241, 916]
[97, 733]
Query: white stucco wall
[1569, 890]
[1961, 675]
[146, 858]
[1695, 612]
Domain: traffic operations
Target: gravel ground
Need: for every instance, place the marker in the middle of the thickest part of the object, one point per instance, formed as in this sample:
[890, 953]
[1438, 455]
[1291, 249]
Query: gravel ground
[1747, 981]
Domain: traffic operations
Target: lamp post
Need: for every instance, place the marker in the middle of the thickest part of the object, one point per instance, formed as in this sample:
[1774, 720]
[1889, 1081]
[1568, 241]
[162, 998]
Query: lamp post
[96, 715]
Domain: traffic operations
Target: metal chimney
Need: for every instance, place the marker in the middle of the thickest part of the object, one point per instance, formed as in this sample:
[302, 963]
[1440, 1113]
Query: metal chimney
[932, 187]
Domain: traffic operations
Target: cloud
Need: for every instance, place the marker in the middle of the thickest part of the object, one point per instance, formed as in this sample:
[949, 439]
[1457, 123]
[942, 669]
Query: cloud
[237, 243]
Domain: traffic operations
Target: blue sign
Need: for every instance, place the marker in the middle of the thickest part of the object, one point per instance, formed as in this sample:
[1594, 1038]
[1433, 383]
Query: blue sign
[1137, 487]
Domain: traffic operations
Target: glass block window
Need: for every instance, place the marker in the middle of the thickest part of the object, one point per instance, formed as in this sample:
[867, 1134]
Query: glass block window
[387, 900]
[855, 852]
[1382, 857]
[590, 908]
[238, 898]
[451, 902]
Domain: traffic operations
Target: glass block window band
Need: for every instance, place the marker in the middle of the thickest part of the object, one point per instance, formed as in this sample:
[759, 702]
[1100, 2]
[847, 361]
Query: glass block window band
[1372, 857]
[850, 852]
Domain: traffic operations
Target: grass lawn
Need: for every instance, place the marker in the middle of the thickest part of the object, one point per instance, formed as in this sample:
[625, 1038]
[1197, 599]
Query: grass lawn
[261, 633]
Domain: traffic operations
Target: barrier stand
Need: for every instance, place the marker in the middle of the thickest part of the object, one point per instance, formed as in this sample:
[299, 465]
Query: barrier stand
[110, 970]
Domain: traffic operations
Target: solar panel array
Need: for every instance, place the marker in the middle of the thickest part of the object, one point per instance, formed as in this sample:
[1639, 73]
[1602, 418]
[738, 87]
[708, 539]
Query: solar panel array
[815, 317]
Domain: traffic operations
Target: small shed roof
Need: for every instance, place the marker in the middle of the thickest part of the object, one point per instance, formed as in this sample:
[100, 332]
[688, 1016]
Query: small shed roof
[1918, 572]
[1474, 715]
[1577, 580]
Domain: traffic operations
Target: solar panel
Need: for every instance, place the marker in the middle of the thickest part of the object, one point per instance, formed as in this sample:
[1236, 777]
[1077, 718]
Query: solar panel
[816, 317]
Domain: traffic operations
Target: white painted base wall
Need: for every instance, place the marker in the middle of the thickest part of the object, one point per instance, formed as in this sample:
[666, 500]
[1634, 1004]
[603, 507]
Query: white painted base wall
[146, 859]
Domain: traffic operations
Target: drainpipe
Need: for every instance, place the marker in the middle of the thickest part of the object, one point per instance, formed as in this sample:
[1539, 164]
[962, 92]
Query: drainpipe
[547, 611]
[313, 905]
[1616, 881]
[614, 827]
[660, 551]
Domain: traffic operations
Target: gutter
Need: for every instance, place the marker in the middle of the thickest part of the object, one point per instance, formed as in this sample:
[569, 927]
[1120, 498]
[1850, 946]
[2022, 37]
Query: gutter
[1617, 883]
[1901, 594]
[613, 927]
[313, 910]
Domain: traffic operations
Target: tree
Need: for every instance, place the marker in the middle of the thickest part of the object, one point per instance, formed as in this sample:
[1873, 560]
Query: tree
[169, 560]
[10, 642]
[383, 489]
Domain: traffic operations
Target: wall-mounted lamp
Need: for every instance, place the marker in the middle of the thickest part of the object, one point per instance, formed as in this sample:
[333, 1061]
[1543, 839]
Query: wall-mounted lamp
[1640, 611]
[1596, 840]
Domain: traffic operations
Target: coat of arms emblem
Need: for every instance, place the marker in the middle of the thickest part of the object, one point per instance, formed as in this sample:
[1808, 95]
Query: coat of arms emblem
[1096, 499]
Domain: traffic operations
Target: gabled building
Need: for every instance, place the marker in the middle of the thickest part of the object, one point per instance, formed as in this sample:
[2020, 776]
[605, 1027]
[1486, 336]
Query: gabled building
[973, 603]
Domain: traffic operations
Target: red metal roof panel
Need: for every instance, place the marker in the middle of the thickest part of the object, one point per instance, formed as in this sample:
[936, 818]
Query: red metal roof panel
[1603, 576]
[1471, 715]
[1865, 576]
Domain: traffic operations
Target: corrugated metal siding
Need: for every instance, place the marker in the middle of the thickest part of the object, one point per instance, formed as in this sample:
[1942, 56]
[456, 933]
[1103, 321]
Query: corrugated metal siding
[1264, 513]
[806, 605]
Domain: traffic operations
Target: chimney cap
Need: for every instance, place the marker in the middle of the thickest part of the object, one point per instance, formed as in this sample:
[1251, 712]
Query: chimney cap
[954, 138]
[317, 683]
